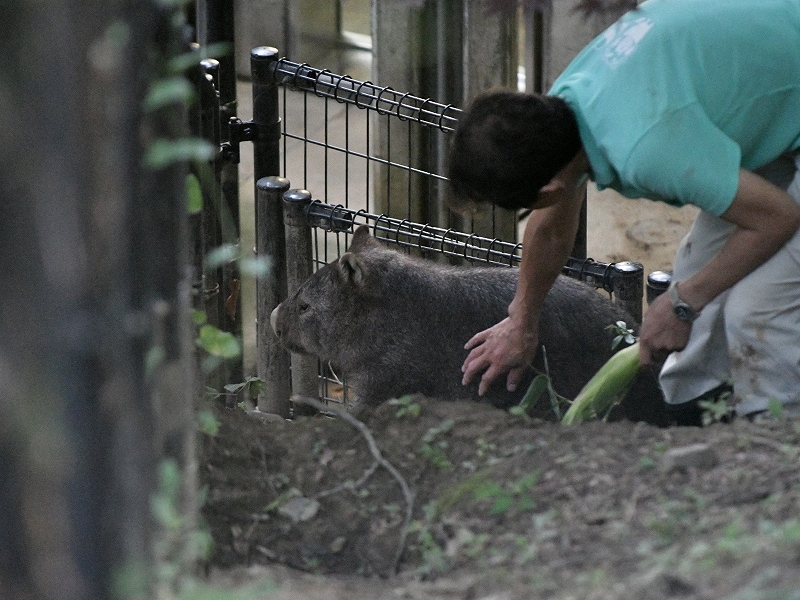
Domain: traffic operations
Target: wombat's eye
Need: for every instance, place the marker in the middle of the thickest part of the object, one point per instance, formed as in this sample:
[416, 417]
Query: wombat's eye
[304, 307]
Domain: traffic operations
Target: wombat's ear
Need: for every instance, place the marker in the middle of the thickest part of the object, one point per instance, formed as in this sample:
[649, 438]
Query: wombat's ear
[351, 269]
[362, 240]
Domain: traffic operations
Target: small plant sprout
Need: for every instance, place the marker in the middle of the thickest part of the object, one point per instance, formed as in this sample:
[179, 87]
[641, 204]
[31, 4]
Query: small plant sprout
[775, 408]
[715, 411]
[406, 407]
[434, 449]
[623, 334]
[541, 384]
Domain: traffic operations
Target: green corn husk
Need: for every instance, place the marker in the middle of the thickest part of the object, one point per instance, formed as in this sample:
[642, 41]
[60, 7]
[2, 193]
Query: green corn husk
[606, 388]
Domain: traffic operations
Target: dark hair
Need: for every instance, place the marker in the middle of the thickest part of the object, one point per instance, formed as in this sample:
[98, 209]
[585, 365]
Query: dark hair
[508, 145]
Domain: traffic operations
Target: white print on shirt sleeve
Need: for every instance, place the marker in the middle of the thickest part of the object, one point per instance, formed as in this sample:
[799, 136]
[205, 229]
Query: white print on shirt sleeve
[622, 38]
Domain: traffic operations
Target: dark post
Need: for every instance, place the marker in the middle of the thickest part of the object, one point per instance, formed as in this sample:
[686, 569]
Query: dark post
[299, 267]
[95, 353]
[211, 216]
[272, 359]
[215, 24]
[220, 221]
[628, 287]
[657, 284]
[266, 116]
[273, 362]
[579, 249]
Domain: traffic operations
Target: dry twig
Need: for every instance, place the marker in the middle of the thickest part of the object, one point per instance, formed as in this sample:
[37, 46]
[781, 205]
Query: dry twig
[376, 453]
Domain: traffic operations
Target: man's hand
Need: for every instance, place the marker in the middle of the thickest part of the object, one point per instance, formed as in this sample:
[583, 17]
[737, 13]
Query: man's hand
[661, 332]
[505, 347]
[766, 218]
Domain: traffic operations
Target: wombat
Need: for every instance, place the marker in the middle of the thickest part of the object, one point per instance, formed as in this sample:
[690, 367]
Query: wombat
[393, 324]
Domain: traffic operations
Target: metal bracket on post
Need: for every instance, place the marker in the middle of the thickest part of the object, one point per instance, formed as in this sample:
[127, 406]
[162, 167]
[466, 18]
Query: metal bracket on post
[299, 267]
[272, 359]
[628, 287]
[238, 131]
[246, 131]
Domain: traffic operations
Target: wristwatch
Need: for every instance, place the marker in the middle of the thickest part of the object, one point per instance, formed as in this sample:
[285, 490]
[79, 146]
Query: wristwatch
[681, 308]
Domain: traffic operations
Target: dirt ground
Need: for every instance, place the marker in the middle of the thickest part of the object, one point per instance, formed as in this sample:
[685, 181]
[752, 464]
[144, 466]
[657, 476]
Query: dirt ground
[464, 501]
[504, 508]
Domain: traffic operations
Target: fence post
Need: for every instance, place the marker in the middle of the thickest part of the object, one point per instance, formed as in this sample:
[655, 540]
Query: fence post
[266, 116]
[214, 23]
[215, 225]
[299, 267]
[272, 361]
[657, 284]
[628, 287]
[210, 218]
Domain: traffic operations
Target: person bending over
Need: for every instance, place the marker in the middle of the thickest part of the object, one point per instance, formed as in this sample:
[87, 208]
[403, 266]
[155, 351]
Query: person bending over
[684, 102]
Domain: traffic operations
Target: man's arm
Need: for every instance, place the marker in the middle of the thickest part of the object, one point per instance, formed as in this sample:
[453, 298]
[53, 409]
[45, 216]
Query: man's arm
[766, 218]
[510, 346]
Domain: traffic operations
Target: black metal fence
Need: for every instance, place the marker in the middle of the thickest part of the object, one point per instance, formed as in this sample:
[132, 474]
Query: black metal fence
[369, 155]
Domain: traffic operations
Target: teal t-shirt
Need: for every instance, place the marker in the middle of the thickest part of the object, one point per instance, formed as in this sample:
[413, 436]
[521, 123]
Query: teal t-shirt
[679, 94]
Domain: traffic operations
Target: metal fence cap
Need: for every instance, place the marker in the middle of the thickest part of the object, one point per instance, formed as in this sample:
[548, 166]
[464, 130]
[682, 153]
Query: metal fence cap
[273, 183]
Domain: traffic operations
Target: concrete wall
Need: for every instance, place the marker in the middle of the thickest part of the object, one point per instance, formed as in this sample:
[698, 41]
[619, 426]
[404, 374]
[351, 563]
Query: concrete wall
[566, 33]
[301, 29]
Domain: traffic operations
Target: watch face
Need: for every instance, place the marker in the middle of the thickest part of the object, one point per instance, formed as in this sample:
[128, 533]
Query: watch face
[683, 312]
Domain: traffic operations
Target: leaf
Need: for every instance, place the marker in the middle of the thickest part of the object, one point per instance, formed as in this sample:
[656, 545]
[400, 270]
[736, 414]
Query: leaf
[218, 343]
[210, 363]
[256, 266]
[221, 255]
[153, 359]
[526, 503]
[535, 390]
[207, 422]
[163, 153]
[167, 91]
[488, 489]
[163, 504]
[194, 195]
[254, 386]
[525, 482]
[501, 504]
[775, 408]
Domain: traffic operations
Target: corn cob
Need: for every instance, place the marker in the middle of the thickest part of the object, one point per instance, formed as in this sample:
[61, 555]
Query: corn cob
[606, 388]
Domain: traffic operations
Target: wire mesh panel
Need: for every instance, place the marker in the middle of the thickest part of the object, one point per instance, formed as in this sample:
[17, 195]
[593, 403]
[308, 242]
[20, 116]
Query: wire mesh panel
[328, 138]
[372, 148]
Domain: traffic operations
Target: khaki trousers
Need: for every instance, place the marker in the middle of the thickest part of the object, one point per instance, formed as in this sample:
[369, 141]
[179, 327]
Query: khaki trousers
[749, 335]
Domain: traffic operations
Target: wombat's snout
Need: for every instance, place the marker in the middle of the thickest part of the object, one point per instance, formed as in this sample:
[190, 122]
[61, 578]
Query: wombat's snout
[273, 320]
